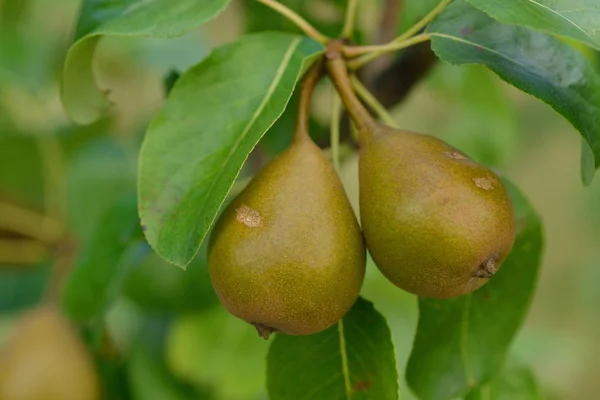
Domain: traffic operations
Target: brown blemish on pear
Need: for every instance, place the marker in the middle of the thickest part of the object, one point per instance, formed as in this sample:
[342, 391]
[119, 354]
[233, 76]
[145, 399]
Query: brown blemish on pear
[249, 217]
[431, 224]
[303, 269]
[455, 155]
[484, 183]
[433, 219]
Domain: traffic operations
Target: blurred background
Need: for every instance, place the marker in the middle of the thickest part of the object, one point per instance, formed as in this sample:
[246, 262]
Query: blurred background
[178, 341]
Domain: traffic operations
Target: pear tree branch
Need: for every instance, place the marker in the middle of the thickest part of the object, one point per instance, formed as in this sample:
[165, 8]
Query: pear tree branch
[336, 120]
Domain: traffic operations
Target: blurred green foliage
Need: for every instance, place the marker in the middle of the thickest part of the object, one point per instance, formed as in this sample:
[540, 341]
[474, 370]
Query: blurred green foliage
[200, 351]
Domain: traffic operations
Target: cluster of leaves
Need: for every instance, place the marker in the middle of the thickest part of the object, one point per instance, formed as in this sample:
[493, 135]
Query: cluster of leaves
[195, 148]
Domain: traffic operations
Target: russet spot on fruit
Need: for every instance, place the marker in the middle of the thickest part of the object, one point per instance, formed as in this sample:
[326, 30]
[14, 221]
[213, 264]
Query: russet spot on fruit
[287, 254]
[436, 223]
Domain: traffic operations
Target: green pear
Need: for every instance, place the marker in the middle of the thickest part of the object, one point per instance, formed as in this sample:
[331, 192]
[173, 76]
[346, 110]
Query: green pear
[287, 254]
[436, 223]
[44, 359]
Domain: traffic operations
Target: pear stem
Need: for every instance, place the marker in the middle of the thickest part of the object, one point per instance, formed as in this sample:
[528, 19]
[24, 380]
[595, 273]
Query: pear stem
[338, 72]
[336, 119]
[309, 83]
[372, 102]
[300, 22]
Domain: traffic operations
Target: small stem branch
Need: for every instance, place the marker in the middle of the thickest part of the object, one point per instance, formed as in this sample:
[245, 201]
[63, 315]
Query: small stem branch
[336, 120]
[372, 52]
[350, 20]
[423, 22]
[338, 72]
[309, 83]
[22, 252]
[29, 224]
[405, 40]
[300, 22]
[372, 102]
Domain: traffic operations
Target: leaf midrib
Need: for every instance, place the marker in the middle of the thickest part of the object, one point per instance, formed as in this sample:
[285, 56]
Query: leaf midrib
[268, 95]
[458, 39]
[464, 342]
[563, 17]
[344, 356]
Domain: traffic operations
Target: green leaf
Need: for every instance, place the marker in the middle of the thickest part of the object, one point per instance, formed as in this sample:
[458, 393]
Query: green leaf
[150, 379]
[98, 174]
[196, 146]
[102, 265]
[515, 382]
[354, 359]
[112, 368]
[462, 342]
[484, 121]
[22, 154]
[22, 287]
[327, 17]
[158, 288]
[216, 351]
[577, 19]
[413, 12]
[83, 101]
[588, 160]
[534, 62]
[13, 12]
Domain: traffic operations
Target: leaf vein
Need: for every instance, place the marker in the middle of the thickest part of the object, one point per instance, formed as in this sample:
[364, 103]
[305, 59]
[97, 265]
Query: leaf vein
[562, 16]
[344, 354]
[278, 76]
[464, 342]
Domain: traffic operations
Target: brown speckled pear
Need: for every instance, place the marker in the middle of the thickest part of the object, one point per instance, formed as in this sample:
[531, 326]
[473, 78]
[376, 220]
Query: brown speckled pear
[287, 254]
[44, 359]
[436, 223]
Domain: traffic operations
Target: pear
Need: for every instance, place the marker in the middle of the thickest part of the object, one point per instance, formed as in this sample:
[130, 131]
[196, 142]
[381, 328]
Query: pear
[436, 223]
[287, 254]
[44, 359]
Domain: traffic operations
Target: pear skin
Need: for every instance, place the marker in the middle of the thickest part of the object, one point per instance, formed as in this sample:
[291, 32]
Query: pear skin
[287, 254]
[44, 359]
[436, 223]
